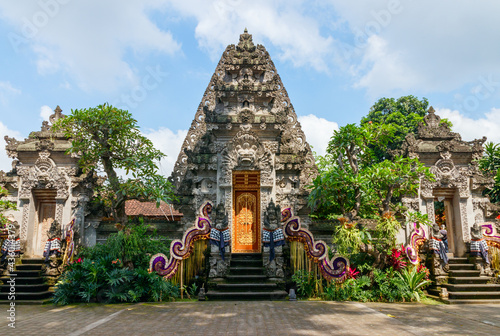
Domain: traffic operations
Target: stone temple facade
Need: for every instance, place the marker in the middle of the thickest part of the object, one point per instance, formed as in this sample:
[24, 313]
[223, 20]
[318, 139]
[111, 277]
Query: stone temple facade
[458, 184]
[244, 123]
[246, 154]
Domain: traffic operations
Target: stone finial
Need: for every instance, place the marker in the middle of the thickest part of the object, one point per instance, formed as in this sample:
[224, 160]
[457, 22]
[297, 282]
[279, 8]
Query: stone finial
[431, 119]
[57, 115]
[246, 42]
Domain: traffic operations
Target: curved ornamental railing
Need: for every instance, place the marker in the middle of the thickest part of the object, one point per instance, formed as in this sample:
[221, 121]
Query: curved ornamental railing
[316, 251]
[183, 248]
[417, 239]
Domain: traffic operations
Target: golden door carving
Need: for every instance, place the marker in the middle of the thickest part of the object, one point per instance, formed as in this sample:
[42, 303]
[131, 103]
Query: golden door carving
[246, 210]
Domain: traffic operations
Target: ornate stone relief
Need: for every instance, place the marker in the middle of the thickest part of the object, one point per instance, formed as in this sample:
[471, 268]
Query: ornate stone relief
[464, 219]
[43, 175]
[245, 152]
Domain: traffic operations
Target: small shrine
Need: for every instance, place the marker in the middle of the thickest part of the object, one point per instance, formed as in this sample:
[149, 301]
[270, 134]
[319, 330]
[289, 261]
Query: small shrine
[455, 198]
[47, 185]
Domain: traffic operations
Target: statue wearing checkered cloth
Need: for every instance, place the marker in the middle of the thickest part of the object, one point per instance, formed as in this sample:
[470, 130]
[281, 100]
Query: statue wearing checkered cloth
[478, 245]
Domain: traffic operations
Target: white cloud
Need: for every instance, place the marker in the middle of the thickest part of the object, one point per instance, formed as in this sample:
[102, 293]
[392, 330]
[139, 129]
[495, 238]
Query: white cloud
[169, 143]
[420, 45]
[6, 91]
[318, 131]
[88, 39]
[46, 112]
[282, 23]
[5, 161]
[471, 129]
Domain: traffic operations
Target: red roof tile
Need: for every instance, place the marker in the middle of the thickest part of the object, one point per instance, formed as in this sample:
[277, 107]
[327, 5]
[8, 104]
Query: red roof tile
[149, 209]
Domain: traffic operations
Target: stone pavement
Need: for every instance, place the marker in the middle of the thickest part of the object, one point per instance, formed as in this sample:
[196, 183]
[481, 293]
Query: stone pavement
[254, 318]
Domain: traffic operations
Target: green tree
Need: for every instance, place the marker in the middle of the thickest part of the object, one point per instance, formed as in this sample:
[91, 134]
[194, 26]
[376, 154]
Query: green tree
[107, 139]
[403, 114]
[490, 164]
[352, 182]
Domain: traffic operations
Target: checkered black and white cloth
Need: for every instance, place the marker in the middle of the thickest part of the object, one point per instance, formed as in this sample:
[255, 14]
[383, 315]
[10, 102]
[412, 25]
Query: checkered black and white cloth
[277, 236]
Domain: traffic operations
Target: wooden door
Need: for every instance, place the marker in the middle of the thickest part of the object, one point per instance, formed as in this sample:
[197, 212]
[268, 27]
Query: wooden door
[246, 212]
[46, 215]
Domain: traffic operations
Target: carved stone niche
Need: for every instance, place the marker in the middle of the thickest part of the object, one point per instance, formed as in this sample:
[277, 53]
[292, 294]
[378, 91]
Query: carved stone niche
[245, 152]
[43, 175]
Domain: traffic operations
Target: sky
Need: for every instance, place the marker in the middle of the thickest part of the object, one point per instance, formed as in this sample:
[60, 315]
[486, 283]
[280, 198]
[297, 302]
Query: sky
[336, 59]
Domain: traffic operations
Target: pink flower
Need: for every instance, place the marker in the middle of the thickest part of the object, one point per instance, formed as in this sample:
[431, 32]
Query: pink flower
[352, 273]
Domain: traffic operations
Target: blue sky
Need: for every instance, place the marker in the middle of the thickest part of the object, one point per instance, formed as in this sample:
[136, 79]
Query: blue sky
[336, 58]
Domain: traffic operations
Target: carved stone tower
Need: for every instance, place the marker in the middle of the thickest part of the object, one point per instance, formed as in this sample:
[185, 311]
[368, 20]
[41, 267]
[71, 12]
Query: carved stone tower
[245, 147]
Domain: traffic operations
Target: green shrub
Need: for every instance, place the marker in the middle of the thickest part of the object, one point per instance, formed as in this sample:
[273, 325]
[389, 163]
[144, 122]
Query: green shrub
[116, 271]
[308, 283]
[414, 281]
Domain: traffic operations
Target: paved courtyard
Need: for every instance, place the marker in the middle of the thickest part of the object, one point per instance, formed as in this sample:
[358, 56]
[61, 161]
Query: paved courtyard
[254, 318]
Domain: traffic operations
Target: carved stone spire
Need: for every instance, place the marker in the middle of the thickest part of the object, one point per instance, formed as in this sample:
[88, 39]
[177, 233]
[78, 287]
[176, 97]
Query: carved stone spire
[245, 121]
[57, 115]
[431, 119]
[246, 43]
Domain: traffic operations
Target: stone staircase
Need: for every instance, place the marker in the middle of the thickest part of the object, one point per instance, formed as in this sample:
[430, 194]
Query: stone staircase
[246, 281]
[465, 285]
[30, 287]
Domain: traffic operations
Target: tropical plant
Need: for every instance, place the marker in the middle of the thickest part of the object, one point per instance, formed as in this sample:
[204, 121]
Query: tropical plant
[107, 139]
[308, 283]
[490, 164]
[4, 206]
[397, 259]
[414, 281]
[116, 271]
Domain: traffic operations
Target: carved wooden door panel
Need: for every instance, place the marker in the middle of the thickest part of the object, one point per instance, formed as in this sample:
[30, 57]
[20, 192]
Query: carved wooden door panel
[246, 212]
[46, 214]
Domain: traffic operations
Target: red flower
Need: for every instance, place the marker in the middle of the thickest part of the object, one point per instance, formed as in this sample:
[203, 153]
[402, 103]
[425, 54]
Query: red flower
[79, 260]
[396, 259]
[498, 217]
[352, 273]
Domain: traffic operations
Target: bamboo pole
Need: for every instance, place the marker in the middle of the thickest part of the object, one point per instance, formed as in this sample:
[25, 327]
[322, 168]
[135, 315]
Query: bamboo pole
[182, 279]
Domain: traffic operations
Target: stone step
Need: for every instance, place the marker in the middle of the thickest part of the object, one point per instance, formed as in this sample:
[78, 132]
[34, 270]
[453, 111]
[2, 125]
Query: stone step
[473, 295]
[246, 287]
[241, 296]
[27, 273]
[468, 280]
[21, 296]
[246, 270]
[486, 301]
[27, 302]
[464, 273]
[25, 261]
[246, 256]
[246, 263]
[258, 278]
[29, 267]
[462, 260]
[25, 288]
[472, 287]
[462, 267]
[24, 280]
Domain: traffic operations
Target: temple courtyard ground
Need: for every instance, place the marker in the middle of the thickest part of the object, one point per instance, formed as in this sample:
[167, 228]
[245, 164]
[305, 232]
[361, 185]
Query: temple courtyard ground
[254, 318]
